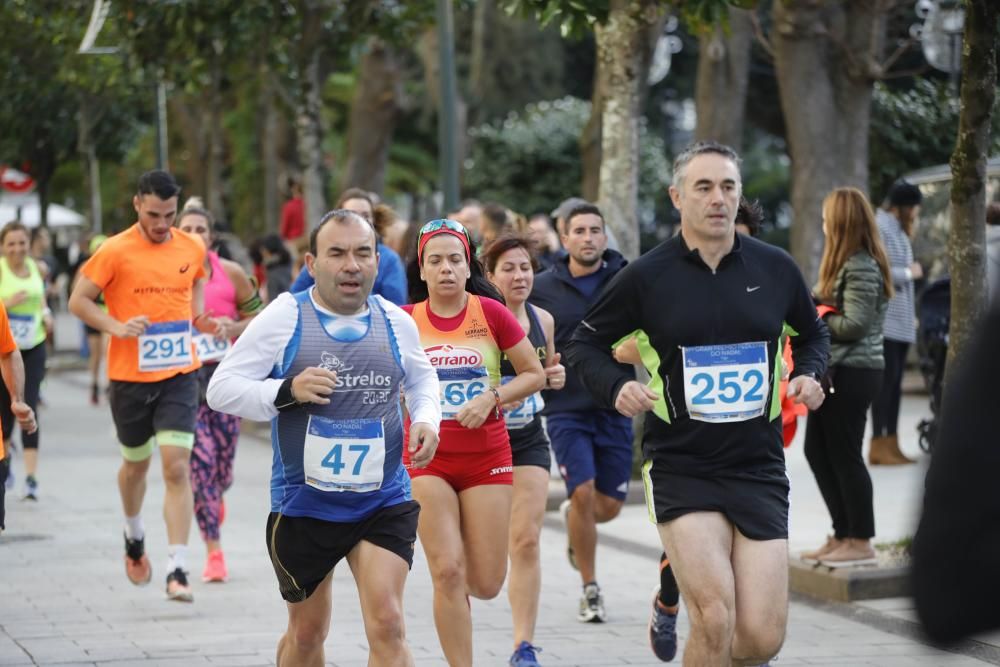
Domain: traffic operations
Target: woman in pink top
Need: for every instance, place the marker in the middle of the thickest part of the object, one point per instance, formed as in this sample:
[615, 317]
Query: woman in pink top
[232, 299]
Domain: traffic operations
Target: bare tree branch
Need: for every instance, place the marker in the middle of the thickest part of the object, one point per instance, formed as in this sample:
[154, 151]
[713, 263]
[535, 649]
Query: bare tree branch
[758, 32]
[916, 71]
[900, 50]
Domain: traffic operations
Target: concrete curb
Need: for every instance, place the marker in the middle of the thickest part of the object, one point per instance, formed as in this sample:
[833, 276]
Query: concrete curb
[848, 584]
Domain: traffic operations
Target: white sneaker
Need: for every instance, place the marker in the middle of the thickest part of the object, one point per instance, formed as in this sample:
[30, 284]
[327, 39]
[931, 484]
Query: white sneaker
[564, 513]
[591, 605]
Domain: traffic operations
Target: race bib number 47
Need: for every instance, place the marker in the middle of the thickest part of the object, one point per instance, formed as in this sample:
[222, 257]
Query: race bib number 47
[726, 383]
[165, 345]
[344, 454]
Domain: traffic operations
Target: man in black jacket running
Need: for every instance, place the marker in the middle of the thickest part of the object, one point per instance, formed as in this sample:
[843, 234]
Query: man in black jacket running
[715, 307]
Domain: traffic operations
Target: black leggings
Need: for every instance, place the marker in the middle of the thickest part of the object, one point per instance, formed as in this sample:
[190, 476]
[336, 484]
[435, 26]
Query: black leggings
[34, 373]
[834, 435]
[885, 407]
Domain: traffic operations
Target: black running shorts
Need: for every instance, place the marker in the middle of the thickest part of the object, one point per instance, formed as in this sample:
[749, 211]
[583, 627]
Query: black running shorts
[304, 550]
[757, 507]
[530, 448]
[140, 410]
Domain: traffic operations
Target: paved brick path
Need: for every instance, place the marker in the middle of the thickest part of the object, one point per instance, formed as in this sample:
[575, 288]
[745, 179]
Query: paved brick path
[64, 598]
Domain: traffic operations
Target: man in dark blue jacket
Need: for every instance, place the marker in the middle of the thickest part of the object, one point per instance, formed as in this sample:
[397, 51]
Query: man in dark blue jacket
[592, 442]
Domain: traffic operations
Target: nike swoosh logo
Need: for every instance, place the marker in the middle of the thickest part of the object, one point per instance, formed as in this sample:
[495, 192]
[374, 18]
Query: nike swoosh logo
[185, 268]
[753, 289]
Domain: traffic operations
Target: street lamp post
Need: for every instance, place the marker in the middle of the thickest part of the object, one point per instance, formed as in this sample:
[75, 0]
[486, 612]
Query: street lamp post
[940, 35]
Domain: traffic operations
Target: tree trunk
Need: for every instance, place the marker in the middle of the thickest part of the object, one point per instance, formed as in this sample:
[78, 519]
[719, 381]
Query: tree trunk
[590, 138]
[310, 142]
[723, 74]
[966, 241]
[215, 148]
[267, 122]
[481, 18]
[822, 60]
[373, 118]
[189, 122]
[89, 152]
[620, 53]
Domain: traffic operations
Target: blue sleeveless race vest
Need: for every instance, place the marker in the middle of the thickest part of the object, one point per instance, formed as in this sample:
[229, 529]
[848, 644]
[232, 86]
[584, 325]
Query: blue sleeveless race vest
[341, 462]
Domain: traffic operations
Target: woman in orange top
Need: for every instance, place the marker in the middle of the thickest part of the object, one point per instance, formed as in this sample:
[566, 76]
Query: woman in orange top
[463, 331]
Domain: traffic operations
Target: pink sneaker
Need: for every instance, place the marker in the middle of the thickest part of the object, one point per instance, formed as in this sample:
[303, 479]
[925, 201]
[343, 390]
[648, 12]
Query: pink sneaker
[215, 567]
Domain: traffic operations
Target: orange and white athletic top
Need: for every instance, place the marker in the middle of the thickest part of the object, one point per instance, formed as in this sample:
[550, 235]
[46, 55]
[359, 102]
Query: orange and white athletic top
[139, 277]
[7, 346]
[465, 350]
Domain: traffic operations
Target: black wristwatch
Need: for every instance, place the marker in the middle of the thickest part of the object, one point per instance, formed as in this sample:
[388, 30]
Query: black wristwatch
[284, 400]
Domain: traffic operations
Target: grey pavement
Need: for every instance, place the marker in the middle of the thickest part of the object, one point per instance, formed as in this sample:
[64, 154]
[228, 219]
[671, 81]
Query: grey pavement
[64, 598]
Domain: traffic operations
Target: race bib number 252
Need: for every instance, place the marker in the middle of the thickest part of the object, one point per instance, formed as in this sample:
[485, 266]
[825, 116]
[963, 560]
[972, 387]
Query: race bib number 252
[726, 383]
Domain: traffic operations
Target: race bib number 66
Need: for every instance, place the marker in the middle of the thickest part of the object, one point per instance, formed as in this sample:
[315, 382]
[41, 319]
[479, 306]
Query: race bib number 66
[726, 383]
[456, 393]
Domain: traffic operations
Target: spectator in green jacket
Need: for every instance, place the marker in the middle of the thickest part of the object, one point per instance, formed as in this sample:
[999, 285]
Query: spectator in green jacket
[855, 285]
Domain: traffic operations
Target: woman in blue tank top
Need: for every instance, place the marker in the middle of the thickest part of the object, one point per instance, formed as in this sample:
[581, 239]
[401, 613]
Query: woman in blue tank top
[509, 265]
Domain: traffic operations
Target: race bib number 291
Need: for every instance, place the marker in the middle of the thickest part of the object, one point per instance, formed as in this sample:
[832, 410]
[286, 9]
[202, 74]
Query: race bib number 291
[165, 345]
[726, 383]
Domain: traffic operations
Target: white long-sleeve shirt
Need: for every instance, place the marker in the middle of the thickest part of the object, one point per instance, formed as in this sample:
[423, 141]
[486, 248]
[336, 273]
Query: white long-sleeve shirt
[242, 384]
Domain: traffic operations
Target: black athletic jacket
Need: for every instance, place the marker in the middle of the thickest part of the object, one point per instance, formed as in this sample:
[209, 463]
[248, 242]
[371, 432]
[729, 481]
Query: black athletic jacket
[555, 292]
[756, 294]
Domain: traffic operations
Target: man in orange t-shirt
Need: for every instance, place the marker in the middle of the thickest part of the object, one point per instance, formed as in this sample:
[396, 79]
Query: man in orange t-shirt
[12, 369]
[151, 276]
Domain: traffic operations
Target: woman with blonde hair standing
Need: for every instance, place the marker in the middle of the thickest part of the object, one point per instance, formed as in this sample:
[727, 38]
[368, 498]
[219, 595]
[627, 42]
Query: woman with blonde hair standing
[853, 291]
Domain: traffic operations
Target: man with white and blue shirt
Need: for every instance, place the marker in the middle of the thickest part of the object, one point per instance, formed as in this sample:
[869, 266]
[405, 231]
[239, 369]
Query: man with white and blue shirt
[326, 366]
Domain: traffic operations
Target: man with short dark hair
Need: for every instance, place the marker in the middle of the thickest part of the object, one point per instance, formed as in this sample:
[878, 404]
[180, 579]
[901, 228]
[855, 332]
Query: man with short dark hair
[151, 276]
[592, 442]
[325, 366]
[714, 307]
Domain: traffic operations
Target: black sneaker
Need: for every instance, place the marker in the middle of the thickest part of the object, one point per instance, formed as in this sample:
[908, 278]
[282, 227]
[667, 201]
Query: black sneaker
[177, 586]
[662, 630]
[137, 567]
